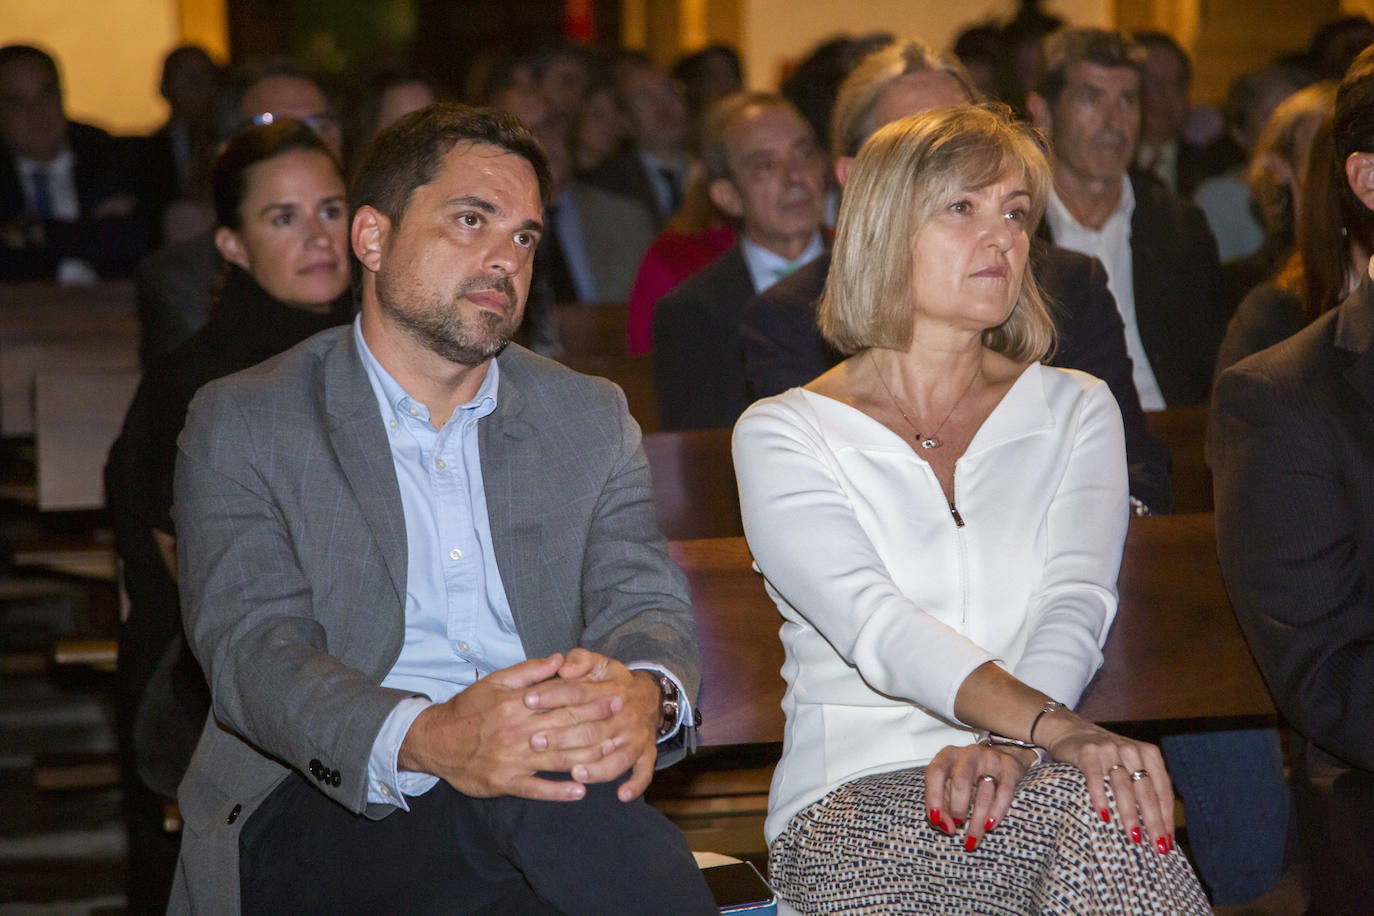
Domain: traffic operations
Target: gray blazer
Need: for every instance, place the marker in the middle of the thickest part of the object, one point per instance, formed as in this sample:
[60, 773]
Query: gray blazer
[293, 561]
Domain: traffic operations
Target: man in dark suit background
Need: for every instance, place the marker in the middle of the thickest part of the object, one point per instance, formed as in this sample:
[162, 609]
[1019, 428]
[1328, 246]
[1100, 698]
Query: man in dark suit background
[768, 175]
[443, 685]
[69, 207]
[1292, 439]
[1161, 259]
[783, 348]
[652, 168]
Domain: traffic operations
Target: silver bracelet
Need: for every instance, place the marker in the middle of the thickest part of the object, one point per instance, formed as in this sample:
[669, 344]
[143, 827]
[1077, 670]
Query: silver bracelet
[1049, 707]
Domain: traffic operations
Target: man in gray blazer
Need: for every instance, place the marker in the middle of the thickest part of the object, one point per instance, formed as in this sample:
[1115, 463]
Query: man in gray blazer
[415, 564]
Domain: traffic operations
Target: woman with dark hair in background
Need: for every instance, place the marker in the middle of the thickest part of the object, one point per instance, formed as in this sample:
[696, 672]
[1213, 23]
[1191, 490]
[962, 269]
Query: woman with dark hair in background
[1335, 238]
[283, 217]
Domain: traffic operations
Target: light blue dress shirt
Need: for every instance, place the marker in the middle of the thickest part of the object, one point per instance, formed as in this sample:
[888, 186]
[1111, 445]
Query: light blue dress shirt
[459, 625]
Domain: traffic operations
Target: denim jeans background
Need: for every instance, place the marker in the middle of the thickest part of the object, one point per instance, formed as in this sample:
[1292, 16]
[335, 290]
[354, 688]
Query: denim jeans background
[1236, 805]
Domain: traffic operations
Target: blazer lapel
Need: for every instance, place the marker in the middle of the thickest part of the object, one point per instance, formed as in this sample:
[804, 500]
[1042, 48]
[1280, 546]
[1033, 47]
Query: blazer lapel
[509, 450]
[355, 431]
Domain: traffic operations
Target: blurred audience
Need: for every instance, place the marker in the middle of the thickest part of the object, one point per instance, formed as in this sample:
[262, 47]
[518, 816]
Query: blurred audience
[593, 238]
[69, 192]
[180, 153]
[1166, 73]
[1275, 181]
[652, 168]
[1334, 239]
[387, 96]
[707, 76]
[599, 127]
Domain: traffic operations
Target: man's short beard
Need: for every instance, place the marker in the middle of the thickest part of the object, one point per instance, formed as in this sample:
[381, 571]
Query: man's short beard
[441, 328]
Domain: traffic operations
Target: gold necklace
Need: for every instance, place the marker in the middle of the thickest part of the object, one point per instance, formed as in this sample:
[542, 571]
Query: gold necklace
[931, 441]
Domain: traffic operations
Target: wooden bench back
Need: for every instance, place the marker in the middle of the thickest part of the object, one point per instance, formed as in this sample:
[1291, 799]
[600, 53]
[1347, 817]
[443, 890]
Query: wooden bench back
[694, 483]
[1174, 652]
[46, 327]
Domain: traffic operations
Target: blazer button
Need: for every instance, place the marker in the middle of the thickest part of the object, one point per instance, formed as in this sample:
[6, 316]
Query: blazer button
[315, 768]
[334, 779]
[234, 814]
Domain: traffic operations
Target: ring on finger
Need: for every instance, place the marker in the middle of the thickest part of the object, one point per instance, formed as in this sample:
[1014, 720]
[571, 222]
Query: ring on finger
[1114, 767]
[1138, 775]
[988, 777]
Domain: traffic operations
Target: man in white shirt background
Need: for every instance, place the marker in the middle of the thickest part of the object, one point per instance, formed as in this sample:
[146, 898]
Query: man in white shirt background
[1161, 259]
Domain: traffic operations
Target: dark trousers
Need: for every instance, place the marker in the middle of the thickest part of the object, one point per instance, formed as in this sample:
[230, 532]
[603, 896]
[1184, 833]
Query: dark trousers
[302, 853]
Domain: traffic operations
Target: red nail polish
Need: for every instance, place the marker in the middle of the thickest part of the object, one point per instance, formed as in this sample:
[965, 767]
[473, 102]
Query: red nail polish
[1162, 845]
[958, 822]
[1171, 843]
[1135, 834]
[989, 824]
[1105, 814]
[935, 816]
[970, 843]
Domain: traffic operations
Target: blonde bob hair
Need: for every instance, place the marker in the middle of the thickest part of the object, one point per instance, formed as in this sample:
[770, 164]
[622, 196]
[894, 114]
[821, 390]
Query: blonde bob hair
[906, 173]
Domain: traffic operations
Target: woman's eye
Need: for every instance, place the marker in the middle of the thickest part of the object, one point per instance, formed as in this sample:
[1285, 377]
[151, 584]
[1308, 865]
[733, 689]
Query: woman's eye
[1017, 216]
[961, 206]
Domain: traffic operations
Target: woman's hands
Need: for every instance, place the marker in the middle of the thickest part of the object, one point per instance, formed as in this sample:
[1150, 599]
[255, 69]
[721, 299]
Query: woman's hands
[1136, 771]
[972, 782]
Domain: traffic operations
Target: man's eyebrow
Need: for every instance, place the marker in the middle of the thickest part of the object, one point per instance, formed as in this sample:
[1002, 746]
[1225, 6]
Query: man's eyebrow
[480, 203]
[532, 225]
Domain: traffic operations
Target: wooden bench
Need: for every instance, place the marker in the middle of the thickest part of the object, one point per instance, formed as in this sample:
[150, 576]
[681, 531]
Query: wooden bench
[694, 483]
[1174, 653]
[593, 338]
[1184, 431]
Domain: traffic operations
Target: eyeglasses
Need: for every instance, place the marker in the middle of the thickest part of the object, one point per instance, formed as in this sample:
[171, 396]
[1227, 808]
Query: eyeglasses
[319, 123]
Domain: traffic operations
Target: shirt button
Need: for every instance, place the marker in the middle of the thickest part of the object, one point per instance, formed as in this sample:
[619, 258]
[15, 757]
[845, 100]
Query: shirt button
[455, 554]
[413, 410]
[463, 647]
[386, 793]
[391, 423]
[440, 463]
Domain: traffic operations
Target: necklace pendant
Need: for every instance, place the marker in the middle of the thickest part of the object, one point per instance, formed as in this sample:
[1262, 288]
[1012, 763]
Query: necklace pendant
[930, 442]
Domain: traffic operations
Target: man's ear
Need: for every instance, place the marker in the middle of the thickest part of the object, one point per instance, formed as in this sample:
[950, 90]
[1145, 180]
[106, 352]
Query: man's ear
[1039, 109]
[231, 248]
[1359, 171]
[368, 235]
[725, 195]
[842, 167]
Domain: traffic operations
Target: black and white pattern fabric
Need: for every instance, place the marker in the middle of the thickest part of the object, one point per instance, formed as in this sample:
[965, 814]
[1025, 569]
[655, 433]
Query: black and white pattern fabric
[867, 847]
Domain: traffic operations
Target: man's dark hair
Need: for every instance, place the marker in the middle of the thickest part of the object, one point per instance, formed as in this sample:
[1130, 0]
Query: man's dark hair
[407, 154]
[1103, 47]
[1163, 41]
[13, 53]
[254, 145]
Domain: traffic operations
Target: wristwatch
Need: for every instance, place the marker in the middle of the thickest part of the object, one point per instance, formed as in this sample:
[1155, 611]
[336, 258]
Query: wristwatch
[670, 702]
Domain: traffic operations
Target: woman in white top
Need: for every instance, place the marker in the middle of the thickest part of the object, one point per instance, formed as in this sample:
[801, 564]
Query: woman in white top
[940, 520]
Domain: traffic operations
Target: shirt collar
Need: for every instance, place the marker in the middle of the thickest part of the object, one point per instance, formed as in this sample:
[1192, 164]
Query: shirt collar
[768, 267]
[1059, 215]
[395, 403]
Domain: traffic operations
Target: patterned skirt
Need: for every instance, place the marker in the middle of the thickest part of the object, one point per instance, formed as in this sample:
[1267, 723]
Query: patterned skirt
[867, 848]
